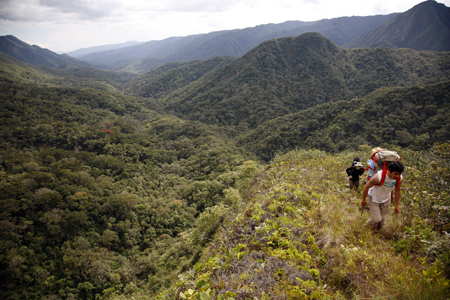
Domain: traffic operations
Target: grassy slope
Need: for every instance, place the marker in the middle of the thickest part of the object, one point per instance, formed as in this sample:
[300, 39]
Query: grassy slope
[299, 233]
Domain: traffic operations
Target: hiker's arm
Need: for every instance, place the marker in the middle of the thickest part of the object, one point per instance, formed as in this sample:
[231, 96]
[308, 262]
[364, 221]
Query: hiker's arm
[372, 182]
[348, 170]
[361, 173]
[397, 198]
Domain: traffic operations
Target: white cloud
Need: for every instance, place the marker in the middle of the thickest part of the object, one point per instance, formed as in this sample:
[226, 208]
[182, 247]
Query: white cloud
[82, 9]
[211, 6]
[54, 10]
[22, 11]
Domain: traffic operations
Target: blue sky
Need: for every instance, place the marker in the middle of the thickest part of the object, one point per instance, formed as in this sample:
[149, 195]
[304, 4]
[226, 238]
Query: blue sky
[68, 25]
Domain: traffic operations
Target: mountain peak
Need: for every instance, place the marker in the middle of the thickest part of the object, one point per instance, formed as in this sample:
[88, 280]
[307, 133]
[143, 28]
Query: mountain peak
[296, 47]
[426, 26]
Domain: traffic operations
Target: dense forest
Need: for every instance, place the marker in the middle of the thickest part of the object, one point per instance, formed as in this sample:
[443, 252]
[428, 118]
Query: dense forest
[91, 196]
[223, 178]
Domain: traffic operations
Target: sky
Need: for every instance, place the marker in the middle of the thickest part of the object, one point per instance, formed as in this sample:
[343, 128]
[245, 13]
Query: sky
[68, 25]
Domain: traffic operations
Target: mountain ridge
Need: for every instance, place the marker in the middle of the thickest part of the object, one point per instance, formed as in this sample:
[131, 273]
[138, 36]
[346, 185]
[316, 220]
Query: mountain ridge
[35, 55]
[237, 42]
[85, 51]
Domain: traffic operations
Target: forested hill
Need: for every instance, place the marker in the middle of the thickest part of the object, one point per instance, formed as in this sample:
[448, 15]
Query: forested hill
[284, 80]
[415, 117]
[288, 75]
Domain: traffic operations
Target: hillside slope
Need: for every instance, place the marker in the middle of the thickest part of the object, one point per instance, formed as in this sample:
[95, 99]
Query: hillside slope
[298, 233]
[426, 26]
[167, 78]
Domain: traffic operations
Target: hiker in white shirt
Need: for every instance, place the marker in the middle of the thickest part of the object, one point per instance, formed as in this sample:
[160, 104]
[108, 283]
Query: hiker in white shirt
[380, 196]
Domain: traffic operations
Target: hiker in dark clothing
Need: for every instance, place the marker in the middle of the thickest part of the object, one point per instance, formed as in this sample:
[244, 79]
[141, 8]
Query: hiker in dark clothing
[354, 173]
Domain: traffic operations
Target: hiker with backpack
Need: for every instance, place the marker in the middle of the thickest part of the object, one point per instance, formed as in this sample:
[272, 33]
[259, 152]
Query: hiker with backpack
[354, 173]
[379, 189]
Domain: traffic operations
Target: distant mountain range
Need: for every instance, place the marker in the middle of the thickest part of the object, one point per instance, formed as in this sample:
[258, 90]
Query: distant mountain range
[237, 42]
[426, 26]
[86, 51]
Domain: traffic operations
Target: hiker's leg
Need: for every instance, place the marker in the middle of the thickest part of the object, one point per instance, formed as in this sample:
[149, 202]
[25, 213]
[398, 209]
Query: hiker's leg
[384, 208]
[356, 184]
[375, 214]
[350, 184]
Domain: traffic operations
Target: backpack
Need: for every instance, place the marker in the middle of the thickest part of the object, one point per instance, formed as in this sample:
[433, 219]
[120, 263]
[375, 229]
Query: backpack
[382, 159]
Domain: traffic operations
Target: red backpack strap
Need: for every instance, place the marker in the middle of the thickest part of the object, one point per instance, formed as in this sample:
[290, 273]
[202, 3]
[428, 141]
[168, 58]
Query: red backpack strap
[369, 167]
[375, 160]
[383, 175]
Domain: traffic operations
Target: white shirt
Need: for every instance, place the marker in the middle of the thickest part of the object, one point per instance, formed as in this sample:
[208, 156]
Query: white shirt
[381, 194]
